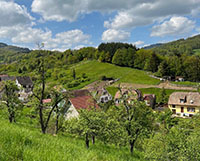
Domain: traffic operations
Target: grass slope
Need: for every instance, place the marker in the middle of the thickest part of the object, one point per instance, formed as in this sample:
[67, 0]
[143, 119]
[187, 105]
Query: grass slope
[157, 91]
[18, 143]
[95, 70]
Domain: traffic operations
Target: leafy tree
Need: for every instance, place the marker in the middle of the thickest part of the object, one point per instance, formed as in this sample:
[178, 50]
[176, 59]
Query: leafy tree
[167, 120]
[10, 99]
[74, 73]
[163, 69]
[162, 97]
[141, 57]
[19, 70]
[136, 118]
[152, 63]
[40, 94]
[60, 102]
[90, 124]
[124, 57]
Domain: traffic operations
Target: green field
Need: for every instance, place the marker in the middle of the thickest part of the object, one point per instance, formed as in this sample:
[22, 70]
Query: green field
[95, 70]
[186, 83]
[18, 143]
[196, 51]
[157, 91]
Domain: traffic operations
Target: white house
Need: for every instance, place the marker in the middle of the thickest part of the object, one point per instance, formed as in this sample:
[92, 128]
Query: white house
[25, 86]
[81, 100]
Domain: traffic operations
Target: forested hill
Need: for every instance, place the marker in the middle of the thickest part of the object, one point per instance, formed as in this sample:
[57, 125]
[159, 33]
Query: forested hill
[187, 46]
[9, 53]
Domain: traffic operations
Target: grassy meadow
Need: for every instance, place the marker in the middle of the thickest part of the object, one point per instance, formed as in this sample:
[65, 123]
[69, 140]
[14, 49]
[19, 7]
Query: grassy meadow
[95, 70]
[18, 143]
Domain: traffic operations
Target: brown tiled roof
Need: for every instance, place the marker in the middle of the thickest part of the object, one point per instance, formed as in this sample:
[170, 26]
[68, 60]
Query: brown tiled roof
[79, 93]
[97, 85]
[190, 98]
[126, 91]
[83, 102]
[148, 96]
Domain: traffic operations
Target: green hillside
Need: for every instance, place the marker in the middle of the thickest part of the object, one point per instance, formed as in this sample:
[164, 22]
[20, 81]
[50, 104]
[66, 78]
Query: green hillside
[18, 143]
[178, 47]
[9, 53]
[95, 70]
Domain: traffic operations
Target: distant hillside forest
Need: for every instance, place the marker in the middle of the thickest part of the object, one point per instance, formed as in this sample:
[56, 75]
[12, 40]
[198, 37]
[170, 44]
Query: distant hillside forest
[10, 53]
[173, 59]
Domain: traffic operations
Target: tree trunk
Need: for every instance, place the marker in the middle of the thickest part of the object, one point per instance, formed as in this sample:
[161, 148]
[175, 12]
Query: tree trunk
[131, 146]
[57, 120]
[87, 140]
[93, 139]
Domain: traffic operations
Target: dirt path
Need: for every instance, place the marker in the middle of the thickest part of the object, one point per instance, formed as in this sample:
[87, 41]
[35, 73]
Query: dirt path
[166, 85]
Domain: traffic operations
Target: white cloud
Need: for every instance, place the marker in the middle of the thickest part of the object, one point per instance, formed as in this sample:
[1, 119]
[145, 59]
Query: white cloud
[115, 35]
[13, 14]
[174, 26]
[29, 35]
[58, 10]
[138, 43]
[149, 12]
[130, 13]
[16, 25]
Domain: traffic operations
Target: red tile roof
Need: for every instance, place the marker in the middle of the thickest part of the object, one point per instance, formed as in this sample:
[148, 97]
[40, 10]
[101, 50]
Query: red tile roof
[46, 100]
[83, 102]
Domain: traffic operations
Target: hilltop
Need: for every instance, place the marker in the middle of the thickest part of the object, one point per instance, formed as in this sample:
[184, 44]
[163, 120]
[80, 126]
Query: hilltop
[182, 46]
[9, 53]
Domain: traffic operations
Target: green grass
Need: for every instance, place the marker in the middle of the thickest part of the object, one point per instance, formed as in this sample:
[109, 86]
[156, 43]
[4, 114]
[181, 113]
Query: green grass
[112, 90]
[157, 91]
[186, 83]
[196, 52]
[19, 143]
[95, 70]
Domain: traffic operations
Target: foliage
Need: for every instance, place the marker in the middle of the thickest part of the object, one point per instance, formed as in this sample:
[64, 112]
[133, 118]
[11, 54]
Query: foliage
[180, 143]
[21, 143]
[10, 99]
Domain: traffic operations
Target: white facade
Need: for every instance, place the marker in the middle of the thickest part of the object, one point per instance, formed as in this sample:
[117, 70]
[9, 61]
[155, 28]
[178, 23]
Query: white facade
[71, 113]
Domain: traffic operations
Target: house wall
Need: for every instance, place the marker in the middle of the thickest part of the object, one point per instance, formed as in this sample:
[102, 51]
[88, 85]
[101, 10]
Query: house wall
[71, 113]
[185, 112]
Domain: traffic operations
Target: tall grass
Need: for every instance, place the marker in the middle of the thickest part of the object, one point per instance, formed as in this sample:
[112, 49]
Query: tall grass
[18, 143]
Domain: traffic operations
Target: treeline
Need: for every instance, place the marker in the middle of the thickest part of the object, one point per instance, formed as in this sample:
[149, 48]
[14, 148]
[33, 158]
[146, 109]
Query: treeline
[121, 54]
[179, 47]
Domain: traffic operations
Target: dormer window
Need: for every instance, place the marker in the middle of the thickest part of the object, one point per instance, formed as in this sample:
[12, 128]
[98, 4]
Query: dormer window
[182, 100]
[191, 101]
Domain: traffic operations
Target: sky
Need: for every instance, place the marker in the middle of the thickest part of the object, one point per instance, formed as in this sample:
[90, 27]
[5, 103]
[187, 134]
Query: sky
[64, 24]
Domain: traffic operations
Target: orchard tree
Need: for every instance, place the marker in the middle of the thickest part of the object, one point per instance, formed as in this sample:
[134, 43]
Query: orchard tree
[10, 99]
[40, 93]
[136, 118]
[90, 124]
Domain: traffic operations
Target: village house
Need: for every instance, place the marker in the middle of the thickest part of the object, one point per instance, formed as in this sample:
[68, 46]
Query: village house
[150, 100]
[6, 78]
[184, 103]
[25, 86]
[102, 96]
[179, 79]
[133, 94]
[99, 92]
[81, 100]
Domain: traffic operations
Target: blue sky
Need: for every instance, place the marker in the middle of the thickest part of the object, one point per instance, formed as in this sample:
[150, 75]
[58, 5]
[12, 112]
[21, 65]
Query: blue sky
[63, 24]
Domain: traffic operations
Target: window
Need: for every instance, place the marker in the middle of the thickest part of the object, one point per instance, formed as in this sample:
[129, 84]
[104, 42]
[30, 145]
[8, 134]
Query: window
[174, 111]
[190, 109]
[106, 98]
[173, 106]
[182, 101]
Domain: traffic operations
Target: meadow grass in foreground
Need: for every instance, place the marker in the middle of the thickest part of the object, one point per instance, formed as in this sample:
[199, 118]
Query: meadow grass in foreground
[19, 143]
